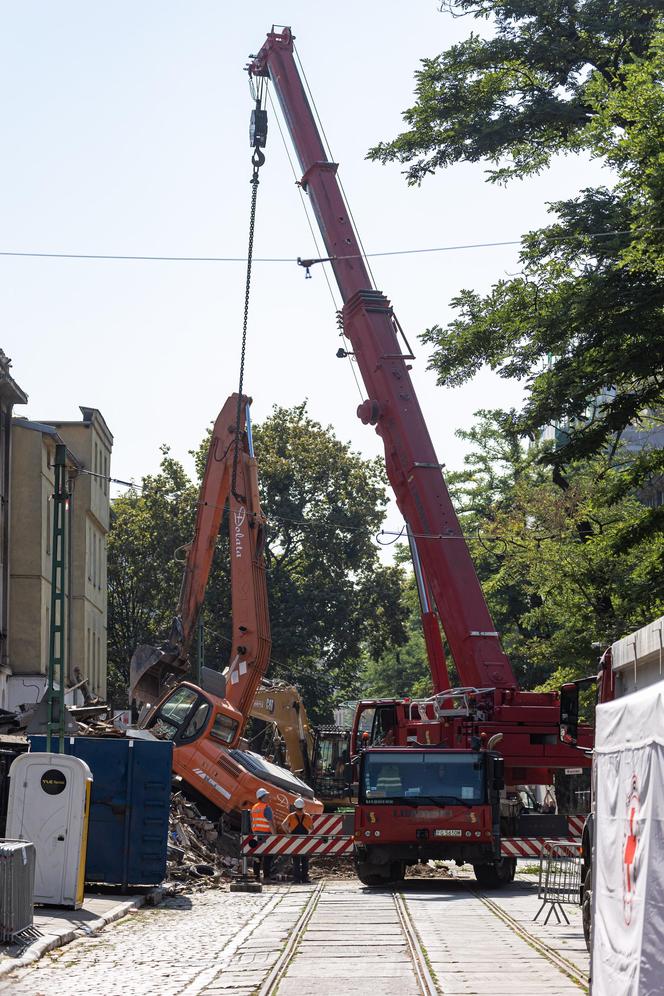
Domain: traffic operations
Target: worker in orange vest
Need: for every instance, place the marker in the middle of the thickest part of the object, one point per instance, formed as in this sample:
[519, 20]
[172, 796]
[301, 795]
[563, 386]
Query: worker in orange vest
[299, 824]
[262, 824]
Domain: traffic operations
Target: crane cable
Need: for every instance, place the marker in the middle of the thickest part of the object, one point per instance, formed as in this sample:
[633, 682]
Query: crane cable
[258, 135]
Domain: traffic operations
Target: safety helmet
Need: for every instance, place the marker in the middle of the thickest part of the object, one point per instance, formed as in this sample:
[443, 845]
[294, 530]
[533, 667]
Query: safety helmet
[261, 793]
[299, 803]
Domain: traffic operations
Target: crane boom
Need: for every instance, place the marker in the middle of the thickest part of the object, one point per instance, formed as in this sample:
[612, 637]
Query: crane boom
[413, 468]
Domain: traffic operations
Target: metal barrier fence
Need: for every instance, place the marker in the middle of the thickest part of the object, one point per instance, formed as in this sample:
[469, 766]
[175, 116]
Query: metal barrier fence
[17, 887]
[559, 877]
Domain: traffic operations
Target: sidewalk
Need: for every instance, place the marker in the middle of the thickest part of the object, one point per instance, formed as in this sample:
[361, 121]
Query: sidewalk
[54, 927]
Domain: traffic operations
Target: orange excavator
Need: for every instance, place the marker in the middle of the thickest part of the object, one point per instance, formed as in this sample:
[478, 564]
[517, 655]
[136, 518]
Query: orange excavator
[206, 724]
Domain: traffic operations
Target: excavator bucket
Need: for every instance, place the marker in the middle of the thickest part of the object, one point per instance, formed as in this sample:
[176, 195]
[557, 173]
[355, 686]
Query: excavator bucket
[150, 669]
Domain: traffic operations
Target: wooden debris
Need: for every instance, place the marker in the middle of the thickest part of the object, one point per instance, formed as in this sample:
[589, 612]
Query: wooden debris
[194, 856]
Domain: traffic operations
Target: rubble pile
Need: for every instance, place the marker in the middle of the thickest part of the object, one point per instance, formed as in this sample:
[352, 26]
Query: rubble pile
[99, 727]
[193, 847]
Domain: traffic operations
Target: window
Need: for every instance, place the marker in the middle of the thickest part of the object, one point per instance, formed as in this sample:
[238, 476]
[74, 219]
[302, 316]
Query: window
[413, 775]
[224, 728]
[196, 724]
[173, 713]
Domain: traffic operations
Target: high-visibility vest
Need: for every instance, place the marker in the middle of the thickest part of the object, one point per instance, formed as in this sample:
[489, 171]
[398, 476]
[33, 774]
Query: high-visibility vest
[299, 823]
[259, 821]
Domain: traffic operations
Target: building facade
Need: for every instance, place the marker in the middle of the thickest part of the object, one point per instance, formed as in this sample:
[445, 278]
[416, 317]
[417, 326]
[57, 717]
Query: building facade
[10, 395]
[89, 444]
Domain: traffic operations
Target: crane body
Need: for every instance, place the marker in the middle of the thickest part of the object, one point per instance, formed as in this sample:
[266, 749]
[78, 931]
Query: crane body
[492, 707]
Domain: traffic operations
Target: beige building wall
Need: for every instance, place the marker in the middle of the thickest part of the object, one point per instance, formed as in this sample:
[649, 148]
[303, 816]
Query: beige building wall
[32, 485]
[92, 443]
[89, 445]
[10, 395]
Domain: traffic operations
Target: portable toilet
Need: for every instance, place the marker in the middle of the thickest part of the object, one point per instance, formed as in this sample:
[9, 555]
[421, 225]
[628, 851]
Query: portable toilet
[49, 805]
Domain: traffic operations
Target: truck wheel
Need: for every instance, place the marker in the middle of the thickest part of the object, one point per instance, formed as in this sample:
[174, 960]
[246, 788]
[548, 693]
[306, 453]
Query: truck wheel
[499, 873]
[369, 876]
[397, 871]
[586, 905]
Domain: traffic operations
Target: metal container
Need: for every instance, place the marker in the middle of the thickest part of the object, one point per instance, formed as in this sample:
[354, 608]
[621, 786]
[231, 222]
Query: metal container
[130, 805]
[8, 752]
[17, 886]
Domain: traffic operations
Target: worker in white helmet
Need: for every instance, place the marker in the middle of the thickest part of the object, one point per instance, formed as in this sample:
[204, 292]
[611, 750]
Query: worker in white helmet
[262, 824]
[299, 823]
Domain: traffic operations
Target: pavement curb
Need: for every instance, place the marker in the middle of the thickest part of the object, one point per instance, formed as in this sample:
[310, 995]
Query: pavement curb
[43, 946]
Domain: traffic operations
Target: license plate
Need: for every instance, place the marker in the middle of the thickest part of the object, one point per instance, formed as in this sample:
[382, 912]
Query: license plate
[447, 833]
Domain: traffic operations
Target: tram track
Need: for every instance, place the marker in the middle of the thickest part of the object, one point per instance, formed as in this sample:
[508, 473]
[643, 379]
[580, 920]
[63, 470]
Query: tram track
[280, 967]
[422, 974]
[546, 951]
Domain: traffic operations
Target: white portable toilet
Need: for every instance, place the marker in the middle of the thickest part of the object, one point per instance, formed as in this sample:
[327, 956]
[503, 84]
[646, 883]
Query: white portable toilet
[49, 804]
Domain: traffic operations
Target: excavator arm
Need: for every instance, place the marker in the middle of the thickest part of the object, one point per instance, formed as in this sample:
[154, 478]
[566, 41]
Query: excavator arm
[230, 480]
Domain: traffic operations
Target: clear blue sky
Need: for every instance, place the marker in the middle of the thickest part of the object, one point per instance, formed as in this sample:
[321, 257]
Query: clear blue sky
[125, 131]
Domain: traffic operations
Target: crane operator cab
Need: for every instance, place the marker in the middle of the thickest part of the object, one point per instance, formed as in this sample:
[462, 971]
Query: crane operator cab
[206, 730]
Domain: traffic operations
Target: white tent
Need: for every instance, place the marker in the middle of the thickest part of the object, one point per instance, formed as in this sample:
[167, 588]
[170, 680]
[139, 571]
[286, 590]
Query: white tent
[627, 956]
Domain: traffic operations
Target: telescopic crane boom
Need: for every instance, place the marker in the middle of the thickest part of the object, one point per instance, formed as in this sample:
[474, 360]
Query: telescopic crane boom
[392, 407]
[528, 721]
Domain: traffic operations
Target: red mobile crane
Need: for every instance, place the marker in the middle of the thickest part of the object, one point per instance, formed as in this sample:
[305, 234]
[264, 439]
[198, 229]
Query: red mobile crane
[429, 787]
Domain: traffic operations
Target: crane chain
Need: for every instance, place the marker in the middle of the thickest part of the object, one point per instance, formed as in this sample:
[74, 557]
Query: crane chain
[257, 161]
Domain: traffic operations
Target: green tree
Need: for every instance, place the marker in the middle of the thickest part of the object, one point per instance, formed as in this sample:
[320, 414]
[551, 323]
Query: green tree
[331, 600]
[149, 524]
[557, 572]
[581, 324]
[401, 670]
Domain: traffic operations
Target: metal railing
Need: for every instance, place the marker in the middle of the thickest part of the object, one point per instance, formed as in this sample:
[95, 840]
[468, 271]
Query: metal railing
[559, 878]
[17, 888]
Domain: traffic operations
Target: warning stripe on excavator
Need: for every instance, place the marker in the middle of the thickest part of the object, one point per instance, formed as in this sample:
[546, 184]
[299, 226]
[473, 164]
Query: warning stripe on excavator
[531, 847]
[286, 844]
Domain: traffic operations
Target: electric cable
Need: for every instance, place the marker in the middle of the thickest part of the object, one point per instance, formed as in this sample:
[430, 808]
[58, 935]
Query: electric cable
[460, 247]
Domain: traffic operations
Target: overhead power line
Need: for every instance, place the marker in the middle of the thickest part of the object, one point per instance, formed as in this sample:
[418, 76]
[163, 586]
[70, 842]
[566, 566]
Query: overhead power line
[292, 259]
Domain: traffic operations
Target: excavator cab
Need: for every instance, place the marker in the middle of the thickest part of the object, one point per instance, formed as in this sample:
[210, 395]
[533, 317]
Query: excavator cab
[186, 712]
[206, 733]
[332, 768]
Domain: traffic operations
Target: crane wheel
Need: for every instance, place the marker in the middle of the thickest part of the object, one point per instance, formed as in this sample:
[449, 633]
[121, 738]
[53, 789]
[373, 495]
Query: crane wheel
[499, 873]
[392, 874]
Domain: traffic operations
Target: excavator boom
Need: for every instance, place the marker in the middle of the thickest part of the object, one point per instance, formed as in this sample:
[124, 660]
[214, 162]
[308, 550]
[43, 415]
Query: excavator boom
[151, 667]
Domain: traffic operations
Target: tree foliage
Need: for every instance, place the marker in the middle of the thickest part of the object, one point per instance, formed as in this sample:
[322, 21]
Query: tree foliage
[527, 92]
[401, 670]
[581, 325]
[331, 599]
[557, 573]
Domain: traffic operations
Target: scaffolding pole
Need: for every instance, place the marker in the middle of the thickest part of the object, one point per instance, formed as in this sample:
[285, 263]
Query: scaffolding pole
[57, 639]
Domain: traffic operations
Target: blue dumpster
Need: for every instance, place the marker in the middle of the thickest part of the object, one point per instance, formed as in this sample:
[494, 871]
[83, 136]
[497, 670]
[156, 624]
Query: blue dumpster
[131, 794]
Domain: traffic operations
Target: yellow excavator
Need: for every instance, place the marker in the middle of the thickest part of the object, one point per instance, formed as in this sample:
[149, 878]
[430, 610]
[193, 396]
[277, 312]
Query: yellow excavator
[320, 756]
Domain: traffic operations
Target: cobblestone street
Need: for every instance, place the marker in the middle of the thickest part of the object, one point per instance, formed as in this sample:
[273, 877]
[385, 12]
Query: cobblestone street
[185, 946]
[323, 940]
